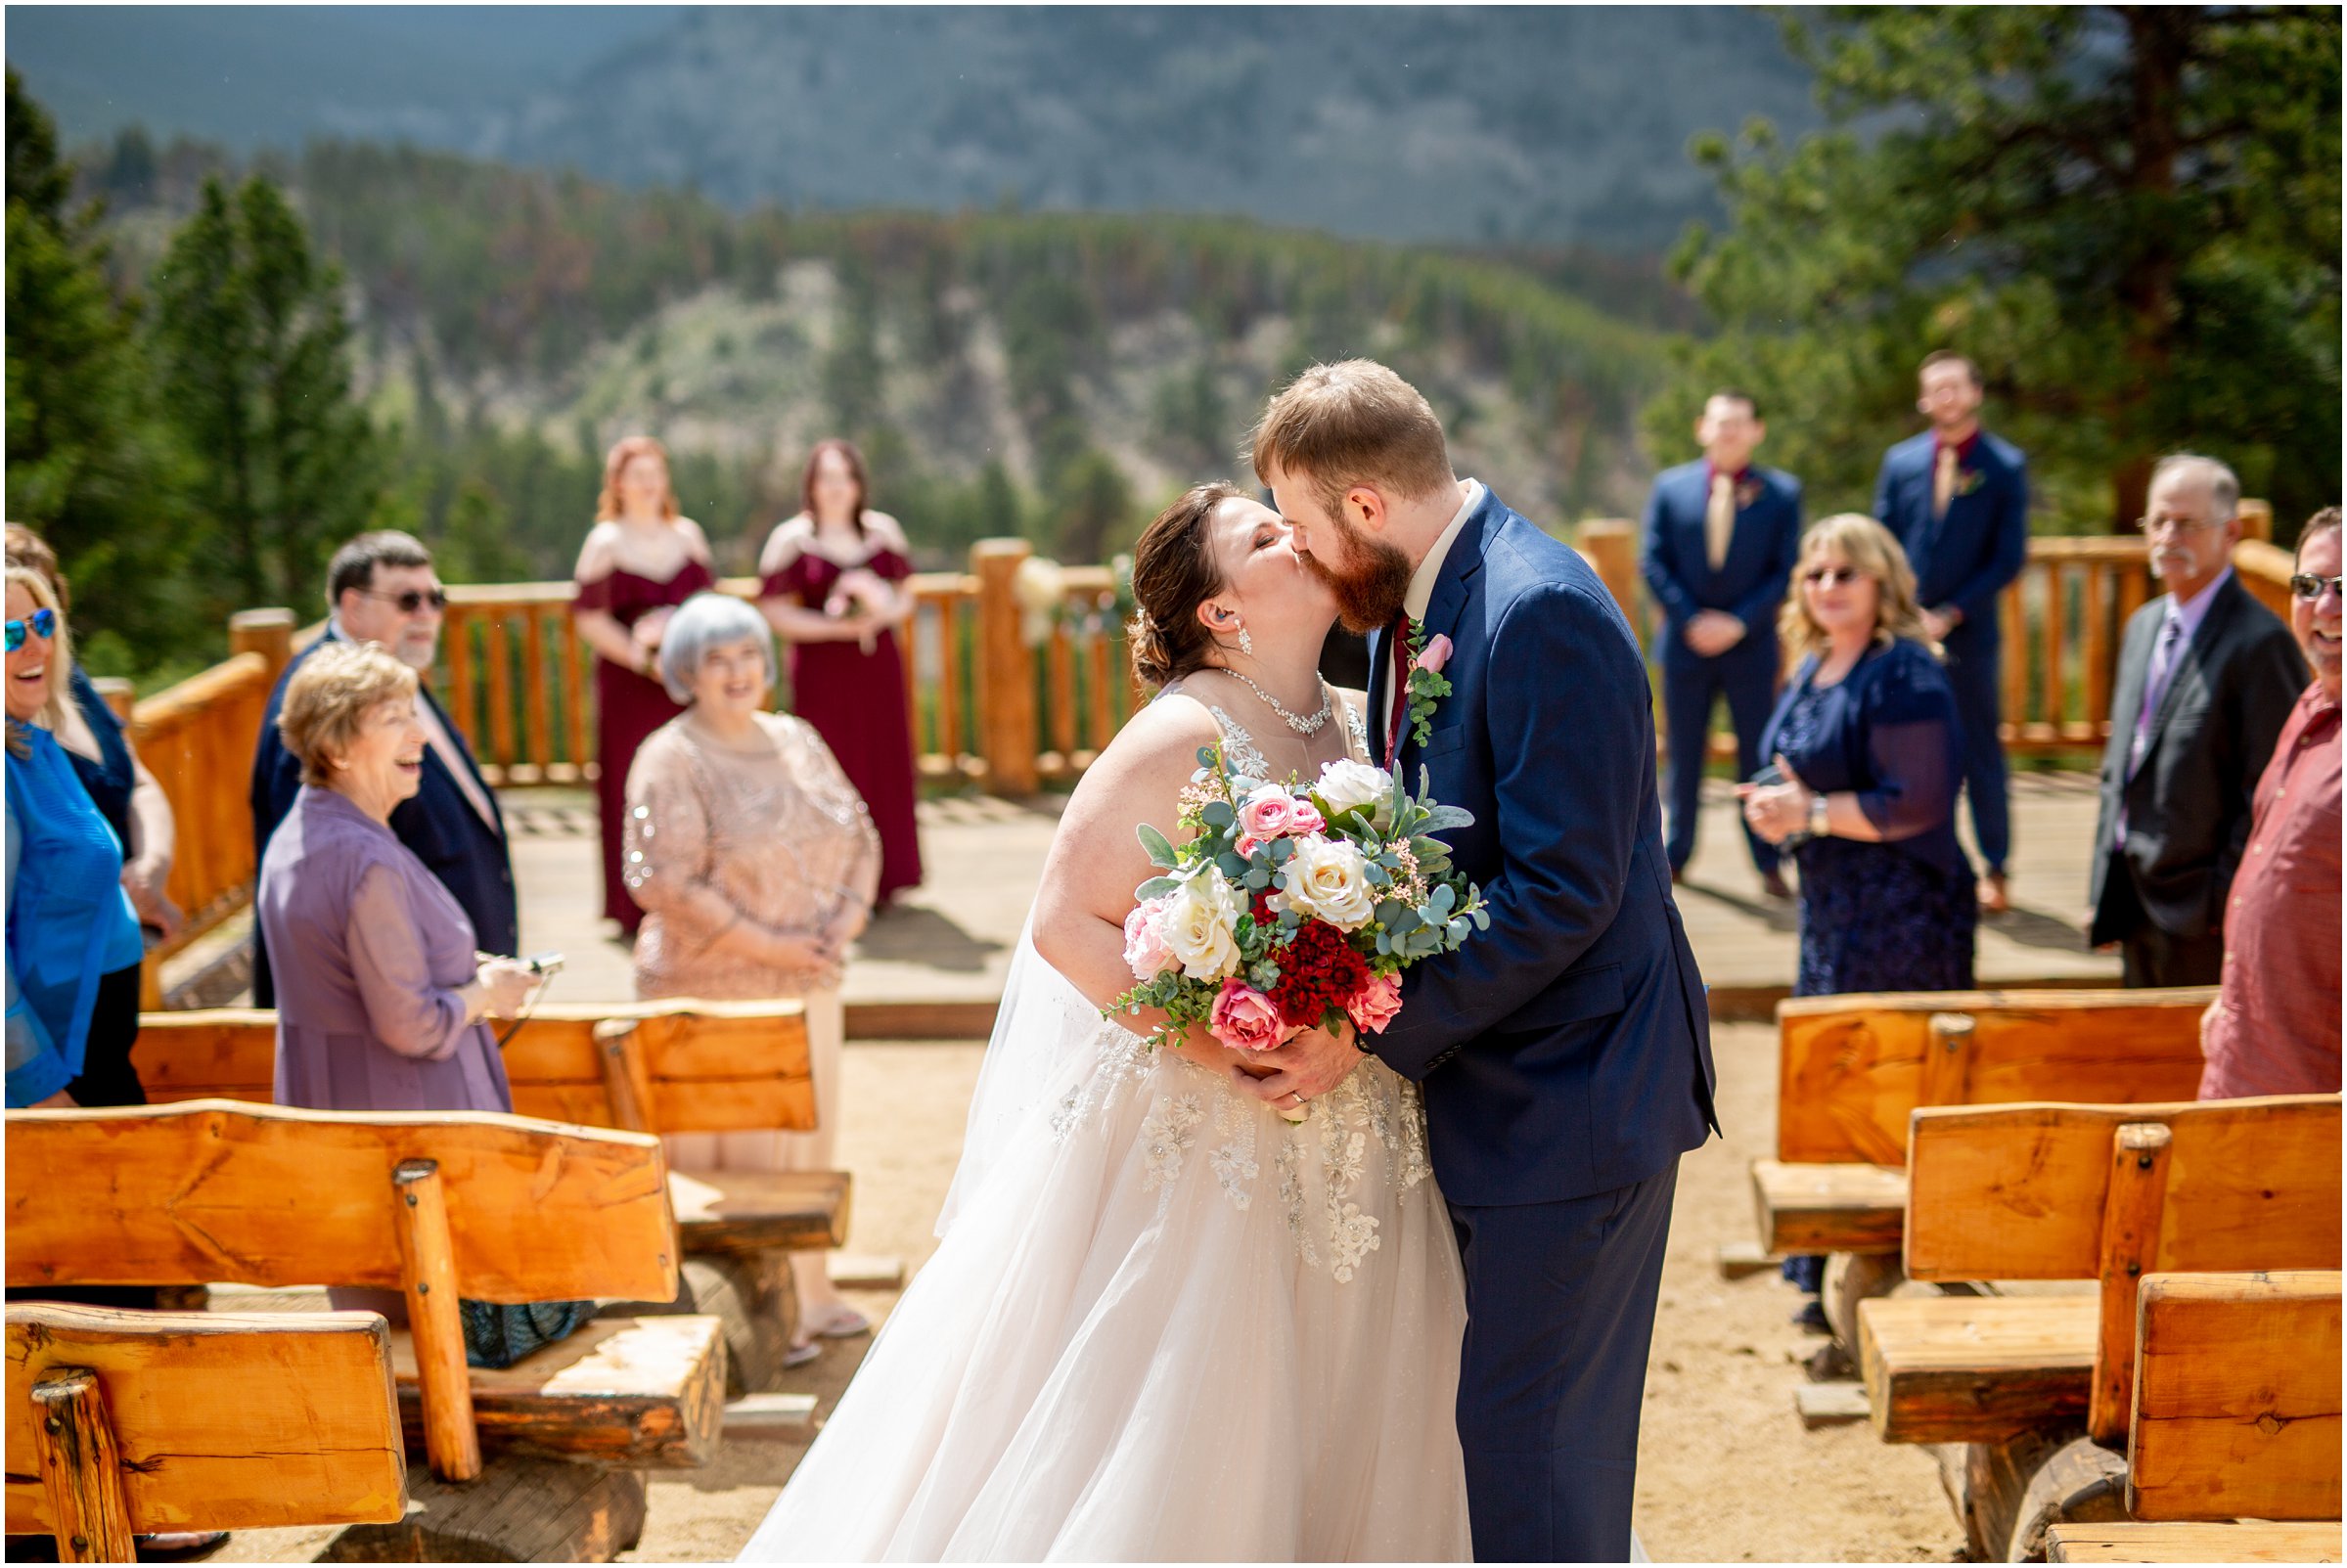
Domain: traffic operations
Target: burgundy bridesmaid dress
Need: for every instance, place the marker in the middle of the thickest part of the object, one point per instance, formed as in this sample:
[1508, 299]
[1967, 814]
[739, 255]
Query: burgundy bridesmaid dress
[856, 701]
[628, 708]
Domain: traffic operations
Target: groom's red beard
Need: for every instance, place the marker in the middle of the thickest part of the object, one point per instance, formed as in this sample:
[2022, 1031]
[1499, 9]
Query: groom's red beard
[1370, 581]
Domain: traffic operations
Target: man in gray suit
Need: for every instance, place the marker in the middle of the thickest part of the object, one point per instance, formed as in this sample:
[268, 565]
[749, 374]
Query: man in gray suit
[2207, 676]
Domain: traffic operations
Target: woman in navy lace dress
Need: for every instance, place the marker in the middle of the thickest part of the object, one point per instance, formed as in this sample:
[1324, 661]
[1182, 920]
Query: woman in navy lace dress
[1865, 736]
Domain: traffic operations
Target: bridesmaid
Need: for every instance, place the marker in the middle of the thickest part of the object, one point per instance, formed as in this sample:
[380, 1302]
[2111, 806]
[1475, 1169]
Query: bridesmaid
[640, 562]
[832, 585]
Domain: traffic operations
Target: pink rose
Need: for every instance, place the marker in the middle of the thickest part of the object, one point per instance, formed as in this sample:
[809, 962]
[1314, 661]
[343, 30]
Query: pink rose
[1435, 655]
[1374, 1004]
[1145, 952]
[1268, 813]
[1248, 844]
[1244, 1017]
[1307, 819]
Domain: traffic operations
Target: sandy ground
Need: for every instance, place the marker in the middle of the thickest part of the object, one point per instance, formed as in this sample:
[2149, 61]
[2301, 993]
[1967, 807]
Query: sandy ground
[1726, 1471]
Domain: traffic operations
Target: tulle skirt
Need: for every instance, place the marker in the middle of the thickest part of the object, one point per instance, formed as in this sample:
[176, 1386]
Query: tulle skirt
[1162, 1324]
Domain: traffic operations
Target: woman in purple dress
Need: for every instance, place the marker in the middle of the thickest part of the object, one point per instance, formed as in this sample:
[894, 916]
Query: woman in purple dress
[640, 562]
[832, 582]
[382, 1003]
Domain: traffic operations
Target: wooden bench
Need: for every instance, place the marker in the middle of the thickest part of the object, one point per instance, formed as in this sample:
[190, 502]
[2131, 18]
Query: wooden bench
[653, 1067]
[2080, 1192]
[127, 1423]
[2245, 1541]
[488, 1207]
[1851, 1069]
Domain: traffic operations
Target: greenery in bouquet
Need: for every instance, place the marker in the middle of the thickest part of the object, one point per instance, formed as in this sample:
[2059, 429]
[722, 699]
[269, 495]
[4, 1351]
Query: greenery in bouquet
[1293, 906]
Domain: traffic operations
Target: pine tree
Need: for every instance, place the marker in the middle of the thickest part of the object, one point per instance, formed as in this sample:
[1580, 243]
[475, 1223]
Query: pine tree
[2129, 216]
[252, 346]
[89, 465]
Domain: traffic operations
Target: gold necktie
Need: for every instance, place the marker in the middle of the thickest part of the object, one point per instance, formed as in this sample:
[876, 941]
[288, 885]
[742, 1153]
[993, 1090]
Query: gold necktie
[1943, 482]
[1719, 520]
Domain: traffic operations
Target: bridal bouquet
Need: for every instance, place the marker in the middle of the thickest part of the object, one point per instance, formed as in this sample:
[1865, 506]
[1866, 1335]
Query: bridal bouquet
[1289, 907]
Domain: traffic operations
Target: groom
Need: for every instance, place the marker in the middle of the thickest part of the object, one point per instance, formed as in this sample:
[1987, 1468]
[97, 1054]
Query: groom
[1565, 1052]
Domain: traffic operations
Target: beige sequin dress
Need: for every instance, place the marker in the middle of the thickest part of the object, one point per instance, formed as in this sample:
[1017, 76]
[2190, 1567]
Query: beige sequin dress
[769, 831]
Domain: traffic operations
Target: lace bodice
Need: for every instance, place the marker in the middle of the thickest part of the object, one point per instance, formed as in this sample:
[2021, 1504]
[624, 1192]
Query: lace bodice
[1244, 754]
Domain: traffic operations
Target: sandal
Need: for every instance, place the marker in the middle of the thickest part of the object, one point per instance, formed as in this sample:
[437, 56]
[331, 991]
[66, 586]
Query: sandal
[844, 1324]
[802, 1355]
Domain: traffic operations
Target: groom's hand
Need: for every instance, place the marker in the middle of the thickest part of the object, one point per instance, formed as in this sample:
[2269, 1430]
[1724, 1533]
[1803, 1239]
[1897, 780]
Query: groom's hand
[1309, 1065]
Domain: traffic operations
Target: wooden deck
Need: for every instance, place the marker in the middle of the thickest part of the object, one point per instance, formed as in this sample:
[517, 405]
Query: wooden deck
[933, 964]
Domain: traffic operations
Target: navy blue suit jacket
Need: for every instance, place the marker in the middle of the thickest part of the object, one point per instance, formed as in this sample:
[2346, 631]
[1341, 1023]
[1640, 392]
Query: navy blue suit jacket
[1761, 552]
[1967, 557]
[1566, 1051]
[437, 823]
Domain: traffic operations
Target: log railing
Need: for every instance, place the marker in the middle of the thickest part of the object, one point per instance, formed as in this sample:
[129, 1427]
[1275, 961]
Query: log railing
[986, 705]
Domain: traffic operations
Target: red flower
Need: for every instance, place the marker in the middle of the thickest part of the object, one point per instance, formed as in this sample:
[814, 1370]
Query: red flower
[1317, 970]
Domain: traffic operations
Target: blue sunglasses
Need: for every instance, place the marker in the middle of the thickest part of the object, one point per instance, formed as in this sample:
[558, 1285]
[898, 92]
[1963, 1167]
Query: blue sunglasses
[43, 623]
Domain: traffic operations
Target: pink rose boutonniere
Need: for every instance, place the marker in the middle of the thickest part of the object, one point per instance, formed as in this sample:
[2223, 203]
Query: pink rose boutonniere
[1428, 686]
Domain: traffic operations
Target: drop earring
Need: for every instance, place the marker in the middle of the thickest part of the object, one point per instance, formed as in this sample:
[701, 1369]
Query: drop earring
[1247, 642]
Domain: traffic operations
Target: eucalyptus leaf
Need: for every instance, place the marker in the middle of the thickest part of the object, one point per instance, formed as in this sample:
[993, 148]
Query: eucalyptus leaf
[1232, 866]
[1457, 931]
[1404, 921]
[1257, 878]
[1218, 814]
[1280, 849]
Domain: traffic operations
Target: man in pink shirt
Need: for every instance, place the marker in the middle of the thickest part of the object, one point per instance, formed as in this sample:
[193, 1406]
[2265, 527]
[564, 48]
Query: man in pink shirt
[2274, 1028]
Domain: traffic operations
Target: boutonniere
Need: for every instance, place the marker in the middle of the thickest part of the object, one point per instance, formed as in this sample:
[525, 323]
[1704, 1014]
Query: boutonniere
[1748, 491]
[1427, 685]
[1969, 480]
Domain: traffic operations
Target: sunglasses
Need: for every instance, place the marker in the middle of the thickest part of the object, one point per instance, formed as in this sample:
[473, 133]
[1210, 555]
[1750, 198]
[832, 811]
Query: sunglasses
[42, 623]
[1831, 576]
[2305, 585]
[414, 600]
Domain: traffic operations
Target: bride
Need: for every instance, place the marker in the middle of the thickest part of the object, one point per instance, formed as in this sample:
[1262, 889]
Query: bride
[1164, 1322]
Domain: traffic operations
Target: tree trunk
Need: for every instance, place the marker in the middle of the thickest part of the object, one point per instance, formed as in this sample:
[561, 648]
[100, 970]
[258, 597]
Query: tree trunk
[2161, 41]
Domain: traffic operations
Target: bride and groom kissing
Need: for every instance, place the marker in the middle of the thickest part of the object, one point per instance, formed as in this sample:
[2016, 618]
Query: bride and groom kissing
[1358, 1296]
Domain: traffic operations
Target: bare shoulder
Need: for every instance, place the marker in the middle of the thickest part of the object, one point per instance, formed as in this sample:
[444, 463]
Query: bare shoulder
[889, 531]
[697, 543]
[1153, 756]
[599, 553]
[784, 545]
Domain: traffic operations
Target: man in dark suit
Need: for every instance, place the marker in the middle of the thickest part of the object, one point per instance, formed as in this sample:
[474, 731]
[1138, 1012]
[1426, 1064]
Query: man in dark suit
[382, 589]
[1565, 1050]
[2208, 678]
[1721, 538]
[1958, 498]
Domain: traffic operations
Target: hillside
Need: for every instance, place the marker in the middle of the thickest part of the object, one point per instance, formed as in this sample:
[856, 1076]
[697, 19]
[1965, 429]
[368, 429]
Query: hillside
[1458, 125]
[1058, 374]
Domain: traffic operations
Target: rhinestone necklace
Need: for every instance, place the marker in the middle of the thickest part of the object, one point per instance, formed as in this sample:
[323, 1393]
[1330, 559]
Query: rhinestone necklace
[1302, 724]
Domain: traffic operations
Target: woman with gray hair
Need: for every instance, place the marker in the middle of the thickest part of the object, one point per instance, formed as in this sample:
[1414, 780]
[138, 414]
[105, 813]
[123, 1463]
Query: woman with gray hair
[755, 863]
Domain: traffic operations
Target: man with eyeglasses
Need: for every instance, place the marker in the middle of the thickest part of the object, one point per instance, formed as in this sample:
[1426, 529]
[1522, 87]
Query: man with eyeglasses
[2208, 678]
[2274, 1028]
[382, 589]
[1957, 499]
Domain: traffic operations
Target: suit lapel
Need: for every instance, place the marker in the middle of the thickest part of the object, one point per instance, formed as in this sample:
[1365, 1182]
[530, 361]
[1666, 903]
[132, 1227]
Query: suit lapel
[456, 739]
[1380, 659]
[2188, 659]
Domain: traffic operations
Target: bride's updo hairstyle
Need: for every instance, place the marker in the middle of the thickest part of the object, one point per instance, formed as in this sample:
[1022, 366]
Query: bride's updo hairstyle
[1173, 573]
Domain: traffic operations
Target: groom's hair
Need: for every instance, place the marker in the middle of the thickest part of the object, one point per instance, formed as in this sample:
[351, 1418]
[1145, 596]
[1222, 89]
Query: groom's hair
[1348, 424]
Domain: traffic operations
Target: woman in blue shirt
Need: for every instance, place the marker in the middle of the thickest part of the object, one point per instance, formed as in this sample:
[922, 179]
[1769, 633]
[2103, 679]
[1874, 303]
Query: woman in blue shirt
[73, 943]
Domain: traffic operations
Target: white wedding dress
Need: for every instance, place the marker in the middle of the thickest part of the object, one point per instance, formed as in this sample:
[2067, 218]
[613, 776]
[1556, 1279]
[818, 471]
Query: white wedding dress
[1161, 1324]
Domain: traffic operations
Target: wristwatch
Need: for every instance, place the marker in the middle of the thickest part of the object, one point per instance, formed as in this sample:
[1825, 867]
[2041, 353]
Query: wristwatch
[1817, 825]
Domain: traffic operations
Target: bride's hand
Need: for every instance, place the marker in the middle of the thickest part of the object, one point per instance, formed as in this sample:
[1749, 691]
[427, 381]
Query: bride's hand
[1302, 1068]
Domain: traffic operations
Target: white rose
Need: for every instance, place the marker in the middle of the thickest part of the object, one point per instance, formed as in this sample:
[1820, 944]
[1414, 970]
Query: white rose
[1197, 925]
[1346, 784]
[1329, 880]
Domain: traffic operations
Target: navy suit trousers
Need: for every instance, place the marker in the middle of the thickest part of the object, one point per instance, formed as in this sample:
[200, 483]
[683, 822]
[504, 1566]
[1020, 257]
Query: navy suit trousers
[1560, 1317]
[1692, 687]
[1972, 663]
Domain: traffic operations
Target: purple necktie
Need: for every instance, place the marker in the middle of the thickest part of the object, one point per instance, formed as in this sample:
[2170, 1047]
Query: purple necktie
[2155, 687]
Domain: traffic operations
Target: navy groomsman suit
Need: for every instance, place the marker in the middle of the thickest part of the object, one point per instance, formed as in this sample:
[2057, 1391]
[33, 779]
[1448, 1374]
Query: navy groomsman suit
[464, 849]
[1963, 561]
[1749, 584]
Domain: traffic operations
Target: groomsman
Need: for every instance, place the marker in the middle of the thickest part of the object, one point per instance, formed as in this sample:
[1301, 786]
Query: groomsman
[1959, 500]
[1721, 539]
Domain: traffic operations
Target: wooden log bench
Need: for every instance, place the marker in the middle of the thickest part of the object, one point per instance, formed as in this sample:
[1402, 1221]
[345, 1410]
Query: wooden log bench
[438, 1206]
[679, 1066]
[1851, 1069]
[2240, 1542]
[122, 1424]
[2080, 1192]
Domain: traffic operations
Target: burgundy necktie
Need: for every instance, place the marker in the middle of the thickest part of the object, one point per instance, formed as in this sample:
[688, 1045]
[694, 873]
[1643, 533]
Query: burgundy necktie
[1399, 636]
